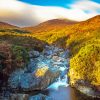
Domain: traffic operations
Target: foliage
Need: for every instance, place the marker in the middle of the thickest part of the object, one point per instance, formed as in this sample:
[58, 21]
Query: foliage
[86, 64]
[20, 56]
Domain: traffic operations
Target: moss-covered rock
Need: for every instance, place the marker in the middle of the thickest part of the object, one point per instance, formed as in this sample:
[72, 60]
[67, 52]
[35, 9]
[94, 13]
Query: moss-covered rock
[20, 56]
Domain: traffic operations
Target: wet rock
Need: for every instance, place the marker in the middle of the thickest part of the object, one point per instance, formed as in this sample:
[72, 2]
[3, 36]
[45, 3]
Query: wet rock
[14, 79]
[18, 96]
[38, 80]
[34, 54]
[41, 72]
[40, 97]
[86, 88]
[32, 65]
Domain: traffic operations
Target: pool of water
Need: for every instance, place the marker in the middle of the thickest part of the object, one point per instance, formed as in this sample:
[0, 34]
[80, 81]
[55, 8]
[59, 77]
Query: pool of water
[68, 93]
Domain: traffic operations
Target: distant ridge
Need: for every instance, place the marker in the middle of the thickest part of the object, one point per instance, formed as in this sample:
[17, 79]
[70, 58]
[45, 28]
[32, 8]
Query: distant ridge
[50, 25]
[6, 25]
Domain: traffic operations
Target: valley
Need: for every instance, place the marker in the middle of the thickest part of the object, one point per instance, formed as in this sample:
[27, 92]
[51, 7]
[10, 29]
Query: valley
[52, 55]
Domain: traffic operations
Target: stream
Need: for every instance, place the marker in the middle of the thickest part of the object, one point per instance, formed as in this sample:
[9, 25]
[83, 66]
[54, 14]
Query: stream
[53, 58]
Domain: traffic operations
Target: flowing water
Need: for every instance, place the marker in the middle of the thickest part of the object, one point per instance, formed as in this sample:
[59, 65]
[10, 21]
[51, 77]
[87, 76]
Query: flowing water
[55, 58]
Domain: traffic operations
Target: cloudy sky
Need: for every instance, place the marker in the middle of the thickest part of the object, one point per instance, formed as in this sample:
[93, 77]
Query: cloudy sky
[32, 12]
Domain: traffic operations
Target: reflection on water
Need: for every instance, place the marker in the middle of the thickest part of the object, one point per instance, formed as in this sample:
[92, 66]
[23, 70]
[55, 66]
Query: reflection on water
[68, 93]
[62, 93]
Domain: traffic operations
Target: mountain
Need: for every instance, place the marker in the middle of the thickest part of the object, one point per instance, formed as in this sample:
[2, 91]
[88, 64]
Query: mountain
[48, 32]
[6, 25]
[54, 24]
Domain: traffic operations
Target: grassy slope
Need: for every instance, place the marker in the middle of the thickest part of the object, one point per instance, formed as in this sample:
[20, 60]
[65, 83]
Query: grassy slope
[14, 47]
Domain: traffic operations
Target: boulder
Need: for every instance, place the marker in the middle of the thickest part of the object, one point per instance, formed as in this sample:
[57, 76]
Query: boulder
[40, 79]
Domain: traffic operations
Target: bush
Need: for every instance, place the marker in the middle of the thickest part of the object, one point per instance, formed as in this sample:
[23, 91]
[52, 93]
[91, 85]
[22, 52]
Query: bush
[86, 65]
[20, 55]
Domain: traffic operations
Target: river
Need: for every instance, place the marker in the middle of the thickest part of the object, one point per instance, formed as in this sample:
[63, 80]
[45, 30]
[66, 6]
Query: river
[57, 59]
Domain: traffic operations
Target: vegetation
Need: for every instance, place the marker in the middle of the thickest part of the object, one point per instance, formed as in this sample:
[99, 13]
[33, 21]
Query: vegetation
[20, 56]
[86, 64]
[82, 39]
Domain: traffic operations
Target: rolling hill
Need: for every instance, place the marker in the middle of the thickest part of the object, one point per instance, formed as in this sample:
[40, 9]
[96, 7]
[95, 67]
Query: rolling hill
[49, 25]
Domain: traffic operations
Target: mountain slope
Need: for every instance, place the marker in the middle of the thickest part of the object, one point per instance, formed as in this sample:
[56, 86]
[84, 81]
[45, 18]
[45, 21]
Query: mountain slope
[54, 24]
[6, 25]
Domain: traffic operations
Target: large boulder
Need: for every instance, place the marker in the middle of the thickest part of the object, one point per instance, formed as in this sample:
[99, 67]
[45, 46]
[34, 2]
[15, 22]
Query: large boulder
[40, 79]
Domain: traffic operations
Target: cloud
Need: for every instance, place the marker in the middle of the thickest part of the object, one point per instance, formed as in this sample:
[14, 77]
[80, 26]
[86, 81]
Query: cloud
[22, 14]
[86, 5]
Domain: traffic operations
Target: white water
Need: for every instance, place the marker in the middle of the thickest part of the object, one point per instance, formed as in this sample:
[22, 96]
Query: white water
[60, 82]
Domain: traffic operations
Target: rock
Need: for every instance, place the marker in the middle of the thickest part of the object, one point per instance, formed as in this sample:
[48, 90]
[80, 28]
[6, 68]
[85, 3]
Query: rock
[34, 54]
[38, 80]
[32, 65]
[15, 77]
[41, 72]
[18, 96]
[40, 97]
[87, 88]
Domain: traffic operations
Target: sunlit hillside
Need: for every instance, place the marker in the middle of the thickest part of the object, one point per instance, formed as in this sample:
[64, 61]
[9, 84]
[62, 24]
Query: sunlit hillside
[82, 39]
[50, 25]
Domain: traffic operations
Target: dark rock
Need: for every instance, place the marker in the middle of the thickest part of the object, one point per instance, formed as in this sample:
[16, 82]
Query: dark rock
[34, 54]
[38, 80]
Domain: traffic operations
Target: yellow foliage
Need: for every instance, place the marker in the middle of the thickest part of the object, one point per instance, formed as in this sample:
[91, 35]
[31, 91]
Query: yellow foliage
[86, 65]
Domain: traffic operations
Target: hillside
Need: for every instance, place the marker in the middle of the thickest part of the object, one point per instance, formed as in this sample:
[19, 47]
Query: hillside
[6, 25]
[49, 25]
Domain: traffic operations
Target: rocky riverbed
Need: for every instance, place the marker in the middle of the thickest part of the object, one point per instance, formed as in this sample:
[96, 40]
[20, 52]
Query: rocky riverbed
[46, 70]
[45, 78]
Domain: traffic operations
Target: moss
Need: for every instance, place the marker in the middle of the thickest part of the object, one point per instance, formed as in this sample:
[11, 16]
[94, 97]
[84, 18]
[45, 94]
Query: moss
[20, 55]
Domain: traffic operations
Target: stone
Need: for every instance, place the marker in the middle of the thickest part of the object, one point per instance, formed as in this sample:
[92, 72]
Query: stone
[40, 97]
[34, 54]
[18, 96]
[38, 80]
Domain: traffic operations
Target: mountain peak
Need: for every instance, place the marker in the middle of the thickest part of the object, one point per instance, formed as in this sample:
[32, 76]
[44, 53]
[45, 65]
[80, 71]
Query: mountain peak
[59, 21]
